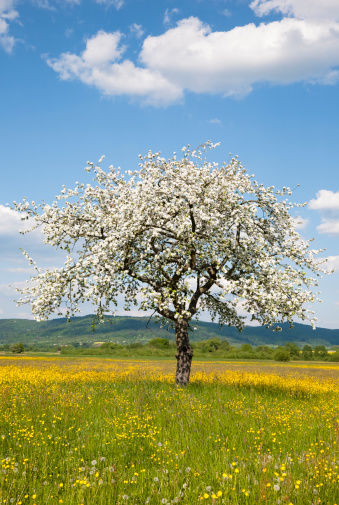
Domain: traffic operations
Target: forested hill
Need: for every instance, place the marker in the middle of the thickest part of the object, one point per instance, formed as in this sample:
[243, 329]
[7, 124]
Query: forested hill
[140, 329]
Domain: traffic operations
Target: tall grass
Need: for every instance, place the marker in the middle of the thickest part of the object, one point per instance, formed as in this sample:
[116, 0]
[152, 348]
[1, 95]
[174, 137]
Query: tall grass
[115, 432]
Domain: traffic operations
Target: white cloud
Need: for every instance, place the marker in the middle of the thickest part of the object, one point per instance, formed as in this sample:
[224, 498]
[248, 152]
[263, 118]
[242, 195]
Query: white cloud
[102, 48]
[7, 14]
[137, 30]
[10, 222]
[191, 57]
[326, 200]
[329, 227]
[98, 66]
[300, 222]
[231, 62]
[215, 121]
[116, 3]
[10, 289]
[21, 270]
[332, 263]
[168, 15]
[302, 47]
[302, 9]
[327, 203]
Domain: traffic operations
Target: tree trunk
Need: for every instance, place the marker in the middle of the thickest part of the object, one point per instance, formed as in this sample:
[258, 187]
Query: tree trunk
[185, 353]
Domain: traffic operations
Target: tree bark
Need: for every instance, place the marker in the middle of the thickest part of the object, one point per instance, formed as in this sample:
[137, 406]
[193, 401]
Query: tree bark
[185, 353]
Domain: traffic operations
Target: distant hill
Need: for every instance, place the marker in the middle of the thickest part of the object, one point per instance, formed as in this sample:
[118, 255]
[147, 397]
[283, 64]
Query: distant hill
[141, 329]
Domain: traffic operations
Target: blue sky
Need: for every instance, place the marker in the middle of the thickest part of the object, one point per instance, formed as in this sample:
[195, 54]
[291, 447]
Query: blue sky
[84, 78]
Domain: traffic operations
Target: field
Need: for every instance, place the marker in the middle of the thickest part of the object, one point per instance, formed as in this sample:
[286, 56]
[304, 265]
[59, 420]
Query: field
[104, 431]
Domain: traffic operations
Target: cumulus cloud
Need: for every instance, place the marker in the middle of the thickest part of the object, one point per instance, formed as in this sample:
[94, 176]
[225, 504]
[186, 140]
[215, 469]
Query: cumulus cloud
[10, 222]
[191, 57]
[329, 226]
[7, 14]
[231, 62]
[327, 203]
[332, 263]
[99, 65]
[301, 9]
[326, 200]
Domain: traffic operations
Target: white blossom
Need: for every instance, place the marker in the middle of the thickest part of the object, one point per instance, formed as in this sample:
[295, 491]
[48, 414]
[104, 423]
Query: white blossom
[177, 237]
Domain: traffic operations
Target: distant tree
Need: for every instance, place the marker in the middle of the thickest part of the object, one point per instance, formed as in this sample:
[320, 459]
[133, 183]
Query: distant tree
[17, 348]
[264, 348]
[293, 349]
[320, 351]
[307, 352]
[183, 235]
[246, 347]
[210, 345]
[160, 343]
[334, 356]
[224, 346]
[281, 354]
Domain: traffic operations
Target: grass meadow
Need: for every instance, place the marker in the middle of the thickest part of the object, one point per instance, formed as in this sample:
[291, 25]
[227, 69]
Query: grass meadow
[104, 431]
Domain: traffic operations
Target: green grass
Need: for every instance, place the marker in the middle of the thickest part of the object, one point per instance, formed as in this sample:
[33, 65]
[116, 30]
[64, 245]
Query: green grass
[138, 440]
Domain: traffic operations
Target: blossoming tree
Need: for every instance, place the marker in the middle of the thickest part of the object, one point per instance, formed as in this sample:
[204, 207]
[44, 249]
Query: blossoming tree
[177, 237]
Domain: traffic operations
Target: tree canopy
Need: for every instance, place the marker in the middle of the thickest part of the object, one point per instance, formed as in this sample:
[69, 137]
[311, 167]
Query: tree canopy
[177, 237]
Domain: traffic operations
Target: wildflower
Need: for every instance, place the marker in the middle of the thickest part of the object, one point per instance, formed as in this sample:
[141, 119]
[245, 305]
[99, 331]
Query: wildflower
[206, 496]
[208, 489]
[164, 500]
[276, 487]
[94, 462]
[156, 479]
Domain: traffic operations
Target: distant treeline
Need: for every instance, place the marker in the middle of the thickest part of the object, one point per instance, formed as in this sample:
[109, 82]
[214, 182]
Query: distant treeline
[126, 330]
[163, 347]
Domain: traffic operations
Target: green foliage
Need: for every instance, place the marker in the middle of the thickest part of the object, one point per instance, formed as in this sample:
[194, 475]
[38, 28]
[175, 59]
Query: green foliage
[159, 343]
[307, 352]
[334, 356]
[210, 345]
[320, 351]
[121, 424]
[293, 349]
[281, 354]
[17, 348]
[246, 347]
